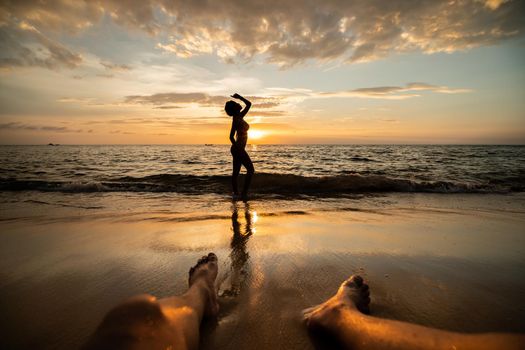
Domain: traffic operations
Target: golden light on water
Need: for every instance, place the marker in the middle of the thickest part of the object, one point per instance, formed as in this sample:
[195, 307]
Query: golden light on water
[256, 134]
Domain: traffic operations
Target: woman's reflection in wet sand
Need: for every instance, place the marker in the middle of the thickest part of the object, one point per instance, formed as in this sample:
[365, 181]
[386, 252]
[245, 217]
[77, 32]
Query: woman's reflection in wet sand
[239, 255]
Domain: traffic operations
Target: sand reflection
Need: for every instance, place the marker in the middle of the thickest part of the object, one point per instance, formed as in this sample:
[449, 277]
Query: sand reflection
[242, 228]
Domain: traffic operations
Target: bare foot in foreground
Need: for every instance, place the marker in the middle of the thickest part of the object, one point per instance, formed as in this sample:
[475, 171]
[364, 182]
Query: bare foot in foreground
[145, 322]
[204, 274]
[352, 295]
[344, 323]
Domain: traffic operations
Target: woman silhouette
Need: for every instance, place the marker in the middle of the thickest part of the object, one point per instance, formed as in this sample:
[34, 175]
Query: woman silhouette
[238, 151]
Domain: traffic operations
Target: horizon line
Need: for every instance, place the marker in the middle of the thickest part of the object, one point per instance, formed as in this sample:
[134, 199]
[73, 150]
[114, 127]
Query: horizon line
[267, 144]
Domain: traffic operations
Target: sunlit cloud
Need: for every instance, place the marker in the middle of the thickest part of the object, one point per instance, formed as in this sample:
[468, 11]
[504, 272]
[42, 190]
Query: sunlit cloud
[494, 4]
[324, 31]
[270, 113]
[282, 96]
[76, 100]
[25, 46]
[393, 92]
[199, 98]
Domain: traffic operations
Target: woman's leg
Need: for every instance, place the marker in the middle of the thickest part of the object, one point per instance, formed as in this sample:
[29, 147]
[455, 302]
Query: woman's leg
[343, 318]
[236, 170]
[247, 162]
[145, 322]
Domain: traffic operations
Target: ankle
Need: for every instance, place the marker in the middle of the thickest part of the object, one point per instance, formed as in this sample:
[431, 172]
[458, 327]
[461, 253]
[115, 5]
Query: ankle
[330, 314]
[201, 284]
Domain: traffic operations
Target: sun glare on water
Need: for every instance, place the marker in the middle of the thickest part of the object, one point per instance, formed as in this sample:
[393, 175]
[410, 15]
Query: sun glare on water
[256, 134]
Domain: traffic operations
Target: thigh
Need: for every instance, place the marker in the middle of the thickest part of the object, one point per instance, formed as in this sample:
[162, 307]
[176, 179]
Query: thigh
[246, 160]
[236, 160]
[236, 165]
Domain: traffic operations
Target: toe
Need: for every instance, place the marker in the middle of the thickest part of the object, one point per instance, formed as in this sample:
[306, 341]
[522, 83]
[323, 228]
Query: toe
[358, 280]
[212, 257]
[308, 311]
[353, 281]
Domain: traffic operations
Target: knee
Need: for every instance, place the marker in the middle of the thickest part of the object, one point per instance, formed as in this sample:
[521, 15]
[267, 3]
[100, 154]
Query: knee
[136, 310]
[128, 324]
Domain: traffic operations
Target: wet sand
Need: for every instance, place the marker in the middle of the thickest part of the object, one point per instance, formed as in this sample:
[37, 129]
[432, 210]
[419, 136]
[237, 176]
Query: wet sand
[449, 261]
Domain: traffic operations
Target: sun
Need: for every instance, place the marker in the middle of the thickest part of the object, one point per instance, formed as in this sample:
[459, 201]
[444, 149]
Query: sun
[256, 134]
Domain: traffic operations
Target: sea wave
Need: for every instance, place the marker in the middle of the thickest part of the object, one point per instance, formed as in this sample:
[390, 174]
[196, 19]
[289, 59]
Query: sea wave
[264, 183]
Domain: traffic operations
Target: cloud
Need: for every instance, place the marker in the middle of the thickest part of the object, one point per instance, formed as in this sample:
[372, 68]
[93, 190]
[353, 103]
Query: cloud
[122, 132]
[54, 128]
[270, 113]
[167, 107]
[391, 92]
[176, 99]
[26, 46]
[17, 126]
[267, 104]
[279, 97]
[390, 120]
[435, 88]
[494, 4]
[282, 32]
[55, 15]
[350, 31]
[115, 66]
[23, 126]
[160, 122]
[77, 100]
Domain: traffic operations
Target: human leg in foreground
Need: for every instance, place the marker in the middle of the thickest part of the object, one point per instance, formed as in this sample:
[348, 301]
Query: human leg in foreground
[144, 322]
[344, 317]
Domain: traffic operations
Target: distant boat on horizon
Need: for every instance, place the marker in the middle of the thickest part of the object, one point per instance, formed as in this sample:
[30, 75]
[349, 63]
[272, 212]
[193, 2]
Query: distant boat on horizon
[53, 144]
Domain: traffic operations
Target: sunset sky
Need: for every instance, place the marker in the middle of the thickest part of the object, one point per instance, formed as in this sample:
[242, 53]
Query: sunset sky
[336, 71]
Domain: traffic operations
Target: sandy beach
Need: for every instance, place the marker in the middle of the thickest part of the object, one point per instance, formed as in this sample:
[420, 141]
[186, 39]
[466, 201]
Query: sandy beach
[454, 262]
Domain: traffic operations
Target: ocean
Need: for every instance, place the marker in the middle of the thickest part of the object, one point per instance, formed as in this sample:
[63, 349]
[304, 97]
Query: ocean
[288, 170]
[436, 231]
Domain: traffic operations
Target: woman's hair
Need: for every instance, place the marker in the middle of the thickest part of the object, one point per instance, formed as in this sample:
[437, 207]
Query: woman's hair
[232, 108]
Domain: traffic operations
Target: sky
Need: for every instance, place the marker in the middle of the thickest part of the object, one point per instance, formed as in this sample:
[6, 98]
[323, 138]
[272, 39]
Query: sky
[331, 71]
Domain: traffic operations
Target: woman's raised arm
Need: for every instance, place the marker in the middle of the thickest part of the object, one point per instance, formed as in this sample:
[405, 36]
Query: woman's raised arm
[246, 102]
